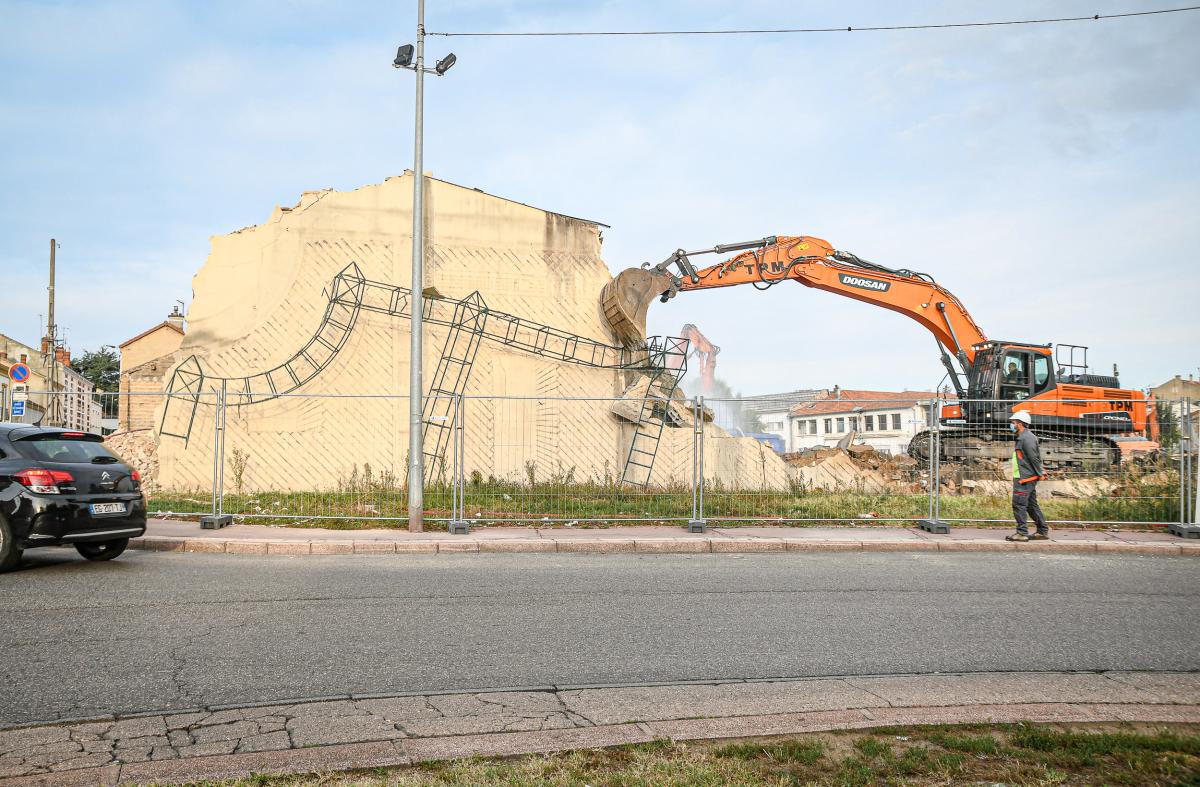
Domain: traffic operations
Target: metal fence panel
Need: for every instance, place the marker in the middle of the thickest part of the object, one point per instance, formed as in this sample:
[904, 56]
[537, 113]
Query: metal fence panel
[339, 461]
[561, 461]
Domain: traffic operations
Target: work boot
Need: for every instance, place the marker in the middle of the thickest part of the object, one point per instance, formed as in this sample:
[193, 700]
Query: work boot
[1017, 537]
[1039, 537]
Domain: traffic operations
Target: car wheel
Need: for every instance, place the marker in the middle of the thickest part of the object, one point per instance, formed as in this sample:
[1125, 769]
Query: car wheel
[102, 550]
[10, 553]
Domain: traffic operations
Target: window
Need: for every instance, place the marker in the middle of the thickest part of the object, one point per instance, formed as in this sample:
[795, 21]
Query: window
[869, 423]
[896, 421]
[1014, 375]
[853, 423]
[1014, 369]
[841, 424]
[812, 426]
[1041, 372]
[828, 425]
[65, 450]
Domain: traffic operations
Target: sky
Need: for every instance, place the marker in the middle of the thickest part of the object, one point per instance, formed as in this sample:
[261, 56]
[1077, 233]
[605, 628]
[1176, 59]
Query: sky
[1047, 175]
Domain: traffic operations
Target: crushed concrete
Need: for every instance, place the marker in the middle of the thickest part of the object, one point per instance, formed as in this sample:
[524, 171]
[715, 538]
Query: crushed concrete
[139, 450]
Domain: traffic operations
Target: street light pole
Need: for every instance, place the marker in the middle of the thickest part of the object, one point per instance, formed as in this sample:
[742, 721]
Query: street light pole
[416, 460]
[416, 463]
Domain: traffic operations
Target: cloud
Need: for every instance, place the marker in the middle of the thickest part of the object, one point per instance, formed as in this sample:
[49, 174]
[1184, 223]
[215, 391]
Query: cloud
[1044, 174]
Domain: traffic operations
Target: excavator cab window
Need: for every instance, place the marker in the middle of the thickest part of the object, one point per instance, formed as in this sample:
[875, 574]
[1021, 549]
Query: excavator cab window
[1041, 373]
[1014, 376]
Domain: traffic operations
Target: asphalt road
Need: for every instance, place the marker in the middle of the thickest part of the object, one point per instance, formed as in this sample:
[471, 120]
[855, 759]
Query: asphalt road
[156, 630]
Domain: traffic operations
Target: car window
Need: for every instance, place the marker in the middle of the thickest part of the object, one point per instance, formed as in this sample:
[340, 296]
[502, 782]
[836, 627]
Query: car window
[58, 449]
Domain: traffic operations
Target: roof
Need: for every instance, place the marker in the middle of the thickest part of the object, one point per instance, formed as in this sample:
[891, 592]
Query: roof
[773, 403]
[148, 331]
[851, 401]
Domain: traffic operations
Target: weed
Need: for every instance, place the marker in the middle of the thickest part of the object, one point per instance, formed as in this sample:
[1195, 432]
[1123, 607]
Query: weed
[240, 459]
[873, 747]
[969, 744]
[796, 751]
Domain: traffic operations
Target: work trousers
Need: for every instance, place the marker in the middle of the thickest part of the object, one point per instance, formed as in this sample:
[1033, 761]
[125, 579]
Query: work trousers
[1025, 505]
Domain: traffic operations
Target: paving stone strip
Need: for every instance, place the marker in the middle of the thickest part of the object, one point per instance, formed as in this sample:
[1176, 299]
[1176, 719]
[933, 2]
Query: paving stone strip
[658, 545]
[371, 731]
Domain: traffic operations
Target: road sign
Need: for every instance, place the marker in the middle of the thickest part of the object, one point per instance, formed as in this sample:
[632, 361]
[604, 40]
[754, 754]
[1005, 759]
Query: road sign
[18, 409]
[20, 393]
[18, 372]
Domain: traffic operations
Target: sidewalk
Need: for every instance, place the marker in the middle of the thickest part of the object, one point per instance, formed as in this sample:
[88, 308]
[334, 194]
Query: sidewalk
[340, 733]
[182, 536]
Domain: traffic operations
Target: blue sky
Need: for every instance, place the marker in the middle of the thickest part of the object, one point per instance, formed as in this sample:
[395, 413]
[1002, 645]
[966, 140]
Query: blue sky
[1047, 175]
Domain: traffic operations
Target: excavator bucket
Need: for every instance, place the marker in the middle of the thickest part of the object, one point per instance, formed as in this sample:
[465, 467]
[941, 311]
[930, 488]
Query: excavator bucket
[626, 299]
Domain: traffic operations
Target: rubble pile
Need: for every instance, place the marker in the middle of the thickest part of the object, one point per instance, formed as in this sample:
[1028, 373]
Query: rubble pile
[858, 467]
[139, 450]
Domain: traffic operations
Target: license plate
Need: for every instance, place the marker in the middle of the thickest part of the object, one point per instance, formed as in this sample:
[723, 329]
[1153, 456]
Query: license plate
[107, 508]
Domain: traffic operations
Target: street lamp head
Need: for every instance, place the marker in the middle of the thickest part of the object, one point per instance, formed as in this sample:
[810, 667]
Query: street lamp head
[404, 56]
[445, 63]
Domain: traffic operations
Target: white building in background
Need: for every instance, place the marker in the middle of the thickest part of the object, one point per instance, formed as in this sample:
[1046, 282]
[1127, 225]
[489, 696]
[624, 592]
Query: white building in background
[77, 390]
[884, 420]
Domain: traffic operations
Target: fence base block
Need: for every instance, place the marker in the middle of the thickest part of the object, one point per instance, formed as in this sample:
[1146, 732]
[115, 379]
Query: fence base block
[459, 527]
[1184, 531]
[216, 522]
[933, 526]
[697, 525]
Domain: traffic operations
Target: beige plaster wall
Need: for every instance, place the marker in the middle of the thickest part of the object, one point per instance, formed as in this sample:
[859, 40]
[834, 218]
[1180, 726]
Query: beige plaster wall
[259, 297]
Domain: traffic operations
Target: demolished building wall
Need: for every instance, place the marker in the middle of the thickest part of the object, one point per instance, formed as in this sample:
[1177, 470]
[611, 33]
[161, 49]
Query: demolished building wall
[265, 289]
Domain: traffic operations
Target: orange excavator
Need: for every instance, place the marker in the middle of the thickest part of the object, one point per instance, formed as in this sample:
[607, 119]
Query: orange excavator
[1077, 414]
[706, 351]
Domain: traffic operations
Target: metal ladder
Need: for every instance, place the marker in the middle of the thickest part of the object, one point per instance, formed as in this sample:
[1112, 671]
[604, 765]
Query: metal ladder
[655, 409]
[450, 381]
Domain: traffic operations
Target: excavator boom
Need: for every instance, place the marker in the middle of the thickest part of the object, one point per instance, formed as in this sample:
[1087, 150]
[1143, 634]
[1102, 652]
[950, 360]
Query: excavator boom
[810, 261]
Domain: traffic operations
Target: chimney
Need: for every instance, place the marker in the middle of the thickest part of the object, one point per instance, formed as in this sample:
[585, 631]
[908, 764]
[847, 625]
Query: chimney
[62, 355]
[175, 317]
[837, 392]
[45, 345]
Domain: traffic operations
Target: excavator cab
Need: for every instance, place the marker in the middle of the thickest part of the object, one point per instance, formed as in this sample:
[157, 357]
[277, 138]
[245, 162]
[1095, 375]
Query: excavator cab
[1005, 373]
[1052, 384]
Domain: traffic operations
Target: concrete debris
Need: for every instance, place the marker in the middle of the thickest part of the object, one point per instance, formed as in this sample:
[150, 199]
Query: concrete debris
[629, 406]
[139, 450]
[837, 472]
[856, 467]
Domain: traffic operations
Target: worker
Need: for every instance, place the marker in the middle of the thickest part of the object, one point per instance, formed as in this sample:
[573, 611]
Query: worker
[1013, 376]
[1026, 472]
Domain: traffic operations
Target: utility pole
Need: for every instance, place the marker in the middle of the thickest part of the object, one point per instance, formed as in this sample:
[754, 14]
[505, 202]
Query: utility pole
[50, 357]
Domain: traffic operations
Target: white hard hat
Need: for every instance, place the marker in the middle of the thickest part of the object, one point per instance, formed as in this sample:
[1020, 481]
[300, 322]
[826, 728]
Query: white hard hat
[1021, 416]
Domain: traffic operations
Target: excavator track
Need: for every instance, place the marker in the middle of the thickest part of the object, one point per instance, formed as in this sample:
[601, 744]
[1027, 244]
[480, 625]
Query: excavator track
[1060, 451]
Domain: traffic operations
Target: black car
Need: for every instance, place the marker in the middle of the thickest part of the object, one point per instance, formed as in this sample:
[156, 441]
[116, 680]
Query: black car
[63, 487]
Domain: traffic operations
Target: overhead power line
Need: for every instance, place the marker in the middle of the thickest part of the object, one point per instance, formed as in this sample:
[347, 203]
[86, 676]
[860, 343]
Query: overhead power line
[846, 29]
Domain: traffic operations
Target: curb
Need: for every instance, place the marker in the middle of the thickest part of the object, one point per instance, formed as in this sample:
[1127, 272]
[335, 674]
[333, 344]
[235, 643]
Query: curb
[683, 545]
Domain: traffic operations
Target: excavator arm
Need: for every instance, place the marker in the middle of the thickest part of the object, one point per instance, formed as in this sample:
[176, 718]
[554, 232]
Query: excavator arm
[812, 262]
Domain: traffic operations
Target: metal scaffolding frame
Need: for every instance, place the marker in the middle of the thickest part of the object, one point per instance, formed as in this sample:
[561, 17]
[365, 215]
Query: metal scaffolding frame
[469, 321]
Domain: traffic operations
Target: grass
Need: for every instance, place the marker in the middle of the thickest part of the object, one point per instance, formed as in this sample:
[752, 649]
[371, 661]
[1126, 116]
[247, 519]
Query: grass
[596, 503]
[1021, 754]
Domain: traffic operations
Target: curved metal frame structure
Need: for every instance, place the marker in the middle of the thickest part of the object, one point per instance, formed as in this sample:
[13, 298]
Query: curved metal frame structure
[469, 321]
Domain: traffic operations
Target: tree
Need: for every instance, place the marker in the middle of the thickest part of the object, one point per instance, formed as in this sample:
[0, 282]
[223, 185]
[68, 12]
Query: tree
[103, 369]
[1168, 424]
